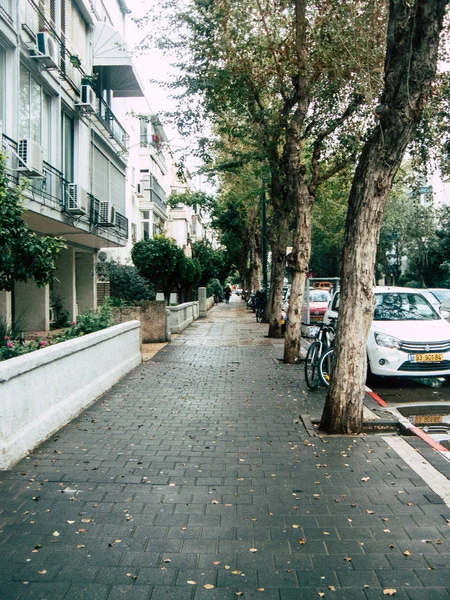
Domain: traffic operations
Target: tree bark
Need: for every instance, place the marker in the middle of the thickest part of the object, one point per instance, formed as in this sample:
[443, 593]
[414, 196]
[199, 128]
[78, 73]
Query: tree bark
[410, 67]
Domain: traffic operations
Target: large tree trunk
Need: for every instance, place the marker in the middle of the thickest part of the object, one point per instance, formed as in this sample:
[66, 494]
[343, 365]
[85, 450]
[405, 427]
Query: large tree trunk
[411, 57]
[299, 262]
[278, 237]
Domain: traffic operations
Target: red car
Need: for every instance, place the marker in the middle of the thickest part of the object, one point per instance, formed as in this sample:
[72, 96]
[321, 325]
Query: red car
[319, 300]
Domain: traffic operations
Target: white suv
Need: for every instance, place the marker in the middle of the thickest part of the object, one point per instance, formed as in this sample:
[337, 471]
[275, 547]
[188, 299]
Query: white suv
[408, 337]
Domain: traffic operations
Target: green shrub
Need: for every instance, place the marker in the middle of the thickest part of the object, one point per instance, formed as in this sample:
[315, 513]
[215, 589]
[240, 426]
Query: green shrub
[214, 288]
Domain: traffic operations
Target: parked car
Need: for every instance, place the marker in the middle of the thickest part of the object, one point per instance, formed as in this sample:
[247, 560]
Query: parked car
[319, 299]
[442, 294]
[408, 337]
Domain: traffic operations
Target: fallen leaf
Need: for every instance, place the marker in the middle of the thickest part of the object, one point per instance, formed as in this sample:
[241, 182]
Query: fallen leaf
[326, 533]
[387, 530]
[227, 567]
[208, 586]
[253, 549]
[348, 558]
[239, 593]
[302, 541]
[167, 560]
[370, 512]
[259, 589]
[332, 588]
[236, 572]
[83, 521]
[406, 553]
[410, 503]
[216, 562]
[71, 522]
[43, 572]
[295, 526]
[214, 502]
[439, 541]
[365, 478]
[81, 546]
[56, 533]
[389, 591]
[321, 594]
[190, 582]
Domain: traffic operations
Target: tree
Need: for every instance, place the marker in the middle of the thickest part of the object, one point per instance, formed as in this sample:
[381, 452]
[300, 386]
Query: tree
[411, 56]
[125, 283]
[23, 254]
[214, 262]
[268, 76]
[160, 261]
[191, 271]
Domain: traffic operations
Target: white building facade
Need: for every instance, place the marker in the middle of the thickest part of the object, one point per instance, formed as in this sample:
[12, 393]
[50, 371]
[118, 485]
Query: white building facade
[65, 70]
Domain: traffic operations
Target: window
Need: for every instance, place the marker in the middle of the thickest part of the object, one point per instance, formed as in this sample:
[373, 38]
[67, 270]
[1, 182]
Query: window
[67, 146]
[34, 119]
[108, 182]
[145, 224]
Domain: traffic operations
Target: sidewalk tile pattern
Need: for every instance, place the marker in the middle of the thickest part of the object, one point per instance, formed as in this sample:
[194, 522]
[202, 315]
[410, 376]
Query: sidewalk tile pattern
[193, 479]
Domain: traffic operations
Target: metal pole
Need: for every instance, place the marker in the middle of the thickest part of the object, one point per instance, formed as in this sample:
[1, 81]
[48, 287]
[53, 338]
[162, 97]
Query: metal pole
[264, 240]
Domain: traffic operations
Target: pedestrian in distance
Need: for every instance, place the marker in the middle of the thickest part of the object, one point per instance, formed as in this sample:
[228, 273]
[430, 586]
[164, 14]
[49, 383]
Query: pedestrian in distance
[227, 294]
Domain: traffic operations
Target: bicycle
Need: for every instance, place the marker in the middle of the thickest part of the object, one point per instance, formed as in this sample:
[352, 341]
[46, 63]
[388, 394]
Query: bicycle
[260, 305]
[321, 345]
[326, 367]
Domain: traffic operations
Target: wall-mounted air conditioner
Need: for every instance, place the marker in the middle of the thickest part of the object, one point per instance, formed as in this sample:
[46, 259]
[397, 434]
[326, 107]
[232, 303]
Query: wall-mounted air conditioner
[77, 199]
[46, 50]
[107, 215]
[88, 100]
[30, 158]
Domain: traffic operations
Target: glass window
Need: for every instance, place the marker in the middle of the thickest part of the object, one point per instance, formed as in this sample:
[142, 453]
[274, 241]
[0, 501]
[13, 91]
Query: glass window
[35, 111]
[393, 306]
[145, 225]
[67, 147]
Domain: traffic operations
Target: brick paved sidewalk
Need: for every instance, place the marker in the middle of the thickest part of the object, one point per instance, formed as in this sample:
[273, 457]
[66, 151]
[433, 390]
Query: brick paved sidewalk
[192, 479]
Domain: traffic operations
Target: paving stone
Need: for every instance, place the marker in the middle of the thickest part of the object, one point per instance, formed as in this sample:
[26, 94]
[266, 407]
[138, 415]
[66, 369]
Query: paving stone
[203, 466]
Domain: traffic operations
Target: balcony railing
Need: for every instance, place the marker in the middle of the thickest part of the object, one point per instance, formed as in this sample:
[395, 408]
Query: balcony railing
[112, 124]
[120, 225]
[6, 10]
[157, 194]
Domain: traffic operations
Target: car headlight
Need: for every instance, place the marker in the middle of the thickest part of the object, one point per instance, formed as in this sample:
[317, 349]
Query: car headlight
[387, 341]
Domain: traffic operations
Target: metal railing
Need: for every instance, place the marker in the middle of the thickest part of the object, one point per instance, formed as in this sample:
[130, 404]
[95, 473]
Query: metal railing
[121, 222]
[157, 194]
[112, 124]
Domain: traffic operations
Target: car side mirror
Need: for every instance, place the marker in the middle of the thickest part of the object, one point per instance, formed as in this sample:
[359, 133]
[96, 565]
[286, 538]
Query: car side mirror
[445, 314]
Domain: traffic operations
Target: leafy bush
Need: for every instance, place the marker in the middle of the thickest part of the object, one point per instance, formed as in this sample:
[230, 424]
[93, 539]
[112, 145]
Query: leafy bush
[88, 322]
[127, 287]
[214, 288]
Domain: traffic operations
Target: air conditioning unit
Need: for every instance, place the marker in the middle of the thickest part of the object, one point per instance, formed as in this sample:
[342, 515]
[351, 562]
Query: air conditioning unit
[140, 190]
[46, 50]
[88, 100]
[107, 215]
[30, 158]
[77, 199]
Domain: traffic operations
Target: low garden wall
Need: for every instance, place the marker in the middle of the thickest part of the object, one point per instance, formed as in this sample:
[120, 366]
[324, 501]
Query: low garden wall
[42, 391]
[181, 316]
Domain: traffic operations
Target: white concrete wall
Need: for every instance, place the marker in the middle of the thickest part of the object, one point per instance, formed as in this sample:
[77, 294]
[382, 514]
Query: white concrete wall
[42, 391]
[181, 316]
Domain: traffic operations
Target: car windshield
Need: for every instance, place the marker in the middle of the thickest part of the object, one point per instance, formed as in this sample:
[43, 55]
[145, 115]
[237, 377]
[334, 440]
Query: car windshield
[319, 296]
[403, 306]
[441, 295]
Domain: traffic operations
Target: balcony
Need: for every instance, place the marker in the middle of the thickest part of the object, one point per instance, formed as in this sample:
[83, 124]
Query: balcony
[112, 125]
[157, 194]
[120, 224]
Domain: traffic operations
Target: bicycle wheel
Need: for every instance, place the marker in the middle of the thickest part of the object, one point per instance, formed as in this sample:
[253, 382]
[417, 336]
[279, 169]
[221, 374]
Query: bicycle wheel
[326, 367]
[312, 366]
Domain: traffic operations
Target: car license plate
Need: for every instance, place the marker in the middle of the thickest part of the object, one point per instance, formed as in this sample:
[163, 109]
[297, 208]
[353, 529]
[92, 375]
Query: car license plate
[427, 419]
[426, 358]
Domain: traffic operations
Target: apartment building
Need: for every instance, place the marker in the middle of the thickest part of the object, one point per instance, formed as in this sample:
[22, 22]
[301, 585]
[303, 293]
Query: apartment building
[65, 72]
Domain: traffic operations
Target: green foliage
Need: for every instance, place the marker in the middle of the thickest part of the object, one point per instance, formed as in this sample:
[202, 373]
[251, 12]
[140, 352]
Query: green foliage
[191, 272]
[61, 315]
[195, 199]
[328, 226]
[88, 322]
[23, 254]
[92, 320]
[214, 288]
[214, 262]
[160, 261]
[126, 284]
